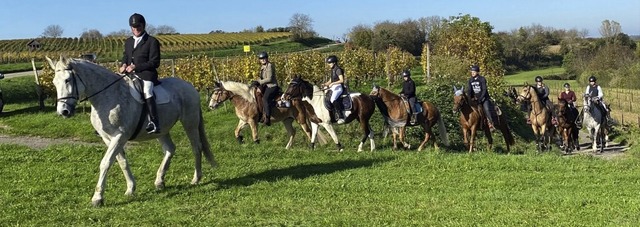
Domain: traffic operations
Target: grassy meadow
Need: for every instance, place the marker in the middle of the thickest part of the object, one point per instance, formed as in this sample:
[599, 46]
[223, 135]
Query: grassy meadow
[266, 185]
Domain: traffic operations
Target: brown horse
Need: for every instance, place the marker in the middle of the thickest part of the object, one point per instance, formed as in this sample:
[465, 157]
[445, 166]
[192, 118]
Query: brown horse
[242, 97]
[393, 109]
[472, 119]
[566, 117]
[362, 109]
[540, 117]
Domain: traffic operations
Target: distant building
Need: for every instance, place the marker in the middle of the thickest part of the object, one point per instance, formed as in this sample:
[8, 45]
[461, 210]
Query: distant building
[33, 45]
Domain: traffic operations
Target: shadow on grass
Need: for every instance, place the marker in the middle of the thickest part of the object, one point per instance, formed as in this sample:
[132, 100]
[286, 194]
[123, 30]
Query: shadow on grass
[299, 172]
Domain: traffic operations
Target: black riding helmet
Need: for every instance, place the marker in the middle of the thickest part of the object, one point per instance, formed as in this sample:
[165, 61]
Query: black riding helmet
[332, 59]
[538, 79]
[566, 85]
[137, 20]
[475, 68]
[406, 73]
[263, 55]
[592, 79]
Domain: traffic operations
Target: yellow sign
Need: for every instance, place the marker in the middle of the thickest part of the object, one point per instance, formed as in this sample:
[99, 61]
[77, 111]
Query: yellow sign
[247, 48]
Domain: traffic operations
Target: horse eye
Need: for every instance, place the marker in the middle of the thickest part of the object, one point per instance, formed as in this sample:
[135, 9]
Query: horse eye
[67, 80]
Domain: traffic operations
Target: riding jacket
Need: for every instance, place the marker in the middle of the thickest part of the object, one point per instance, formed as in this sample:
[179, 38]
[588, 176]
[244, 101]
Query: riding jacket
[145, 56]
[478, 88]
[268, 75]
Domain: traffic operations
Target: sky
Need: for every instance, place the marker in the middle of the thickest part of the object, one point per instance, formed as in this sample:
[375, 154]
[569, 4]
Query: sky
[20, 19]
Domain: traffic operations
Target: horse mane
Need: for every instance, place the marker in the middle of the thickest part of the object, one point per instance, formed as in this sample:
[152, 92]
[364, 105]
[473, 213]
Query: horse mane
[240, 89]
[89, 68]
[307, 87]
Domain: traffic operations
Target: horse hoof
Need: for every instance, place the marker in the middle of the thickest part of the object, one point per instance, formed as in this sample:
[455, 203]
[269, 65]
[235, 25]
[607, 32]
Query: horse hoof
[256, 141]
[159, 186]
[97, 203]
[240, 139]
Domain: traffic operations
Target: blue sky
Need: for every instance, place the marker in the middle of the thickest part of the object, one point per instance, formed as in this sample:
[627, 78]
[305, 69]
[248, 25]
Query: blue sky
[332, 18]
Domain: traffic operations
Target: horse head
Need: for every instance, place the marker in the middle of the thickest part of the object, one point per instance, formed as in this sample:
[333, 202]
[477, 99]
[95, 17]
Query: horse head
[68, 85]
[218, 96]
[525, 94]
[298, 88]
[459, 99]
[375, 91]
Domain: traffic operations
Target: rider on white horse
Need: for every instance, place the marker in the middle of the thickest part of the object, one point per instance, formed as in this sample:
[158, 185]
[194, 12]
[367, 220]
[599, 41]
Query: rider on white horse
[595, 91]
[142, 57]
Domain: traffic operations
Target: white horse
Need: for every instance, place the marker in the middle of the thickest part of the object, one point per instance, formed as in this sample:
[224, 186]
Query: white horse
[117, 114]
[594, 121]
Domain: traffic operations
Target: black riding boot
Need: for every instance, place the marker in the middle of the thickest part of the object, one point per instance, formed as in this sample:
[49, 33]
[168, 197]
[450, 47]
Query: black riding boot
[153, 126]
[337, 107]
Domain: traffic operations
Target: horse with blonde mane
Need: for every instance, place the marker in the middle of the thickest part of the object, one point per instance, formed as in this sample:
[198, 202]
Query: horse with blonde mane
[118, 114]
[243, 99]
[539, 116]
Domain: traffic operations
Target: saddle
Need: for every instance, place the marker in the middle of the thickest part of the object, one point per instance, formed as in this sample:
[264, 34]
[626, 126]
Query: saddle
[259, 93]
[135, 88]
[417, 105]
[346, 100]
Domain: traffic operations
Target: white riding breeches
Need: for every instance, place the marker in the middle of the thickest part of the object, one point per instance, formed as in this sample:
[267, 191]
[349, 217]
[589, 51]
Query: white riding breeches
[336, 92]
[147, 89]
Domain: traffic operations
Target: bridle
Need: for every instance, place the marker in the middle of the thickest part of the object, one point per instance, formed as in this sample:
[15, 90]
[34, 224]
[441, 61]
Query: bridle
[75, 93]
[218, 93]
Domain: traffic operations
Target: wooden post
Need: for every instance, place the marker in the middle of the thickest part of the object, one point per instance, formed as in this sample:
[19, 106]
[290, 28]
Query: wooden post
[39, 90]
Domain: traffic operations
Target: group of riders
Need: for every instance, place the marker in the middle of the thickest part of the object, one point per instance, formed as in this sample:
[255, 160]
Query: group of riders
[593, 92]
[142, 57]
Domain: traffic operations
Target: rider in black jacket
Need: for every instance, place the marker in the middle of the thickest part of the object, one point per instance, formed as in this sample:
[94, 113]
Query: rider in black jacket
[409, 91]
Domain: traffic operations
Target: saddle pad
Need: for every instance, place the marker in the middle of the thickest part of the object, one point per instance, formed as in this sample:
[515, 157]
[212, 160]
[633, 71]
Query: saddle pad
[161, 94]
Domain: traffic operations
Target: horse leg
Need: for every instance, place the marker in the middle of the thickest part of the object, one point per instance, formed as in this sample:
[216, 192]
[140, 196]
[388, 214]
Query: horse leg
[472, 138]
[403, 135]
[594, 139]
[169, 150]
[371, 141]
[333, 135]
[465, 137]
[254, 131]
[241, 125]
[128, 176]
[487, 133]
[116, 145]
[427, 134]
[394, 134]
[367, 133]
[290, 131]
[314, 133]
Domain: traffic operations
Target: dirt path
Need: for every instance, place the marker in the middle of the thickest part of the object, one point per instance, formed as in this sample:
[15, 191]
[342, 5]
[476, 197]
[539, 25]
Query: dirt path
[39, 142]
[613, 149]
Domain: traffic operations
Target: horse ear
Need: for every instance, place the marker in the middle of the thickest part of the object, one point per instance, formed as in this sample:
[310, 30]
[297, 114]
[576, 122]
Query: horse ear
[53, 66]
[455, 88]
[462, 88]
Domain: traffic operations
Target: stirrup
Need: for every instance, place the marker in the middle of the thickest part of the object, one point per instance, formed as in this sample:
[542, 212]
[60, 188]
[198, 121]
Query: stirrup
[340, 121]
[152, 128]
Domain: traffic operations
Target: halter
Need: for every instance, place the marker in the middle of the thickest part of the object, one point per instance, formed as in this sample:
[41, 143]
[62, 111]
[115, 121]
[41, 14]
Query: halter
[528, 97]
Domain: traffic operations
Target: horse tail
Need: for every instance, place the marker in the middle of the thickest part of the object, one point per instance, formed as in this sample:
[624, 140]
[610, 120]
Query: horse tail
[443, 131]
[204, 143]
[312, 114]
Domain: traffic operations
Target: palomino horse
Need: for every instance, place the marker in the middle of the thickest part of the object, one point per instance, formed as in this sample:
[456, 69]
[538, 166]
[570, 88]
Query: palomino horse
[540, 118]
[118, 116]
[595, 121]
[362, 110]
[242, 97]
[393, 109]
[566, 117]
[471, 119]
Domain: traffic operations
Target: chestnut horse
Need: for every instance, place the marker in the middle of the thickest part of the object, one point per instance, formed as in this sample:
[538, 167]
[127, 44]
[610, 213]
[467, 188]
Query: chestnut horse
[566, 117]
[393, 109]
[242, 97]
[540, 117]
[471, 119]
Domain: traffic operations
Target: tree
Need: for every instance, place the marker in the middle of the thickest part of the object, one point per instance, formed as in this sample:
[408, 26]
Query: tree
[361, 36]
[609, 29]
[52, 31]
[259, 28]
[91, 34]
[119, 33]
[301, 27]
[165, 30]
[469, 40]
[151, 30]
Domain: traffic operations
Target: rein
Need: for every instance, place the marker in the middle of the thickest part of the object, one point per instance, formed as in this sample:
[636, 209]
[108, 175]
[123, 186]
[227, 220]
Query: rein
[103, 89]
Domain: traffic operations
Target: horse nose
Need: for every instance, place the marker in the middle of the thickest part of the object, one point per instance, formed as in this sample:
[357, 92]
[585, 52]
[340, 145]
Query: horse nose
[65, 113]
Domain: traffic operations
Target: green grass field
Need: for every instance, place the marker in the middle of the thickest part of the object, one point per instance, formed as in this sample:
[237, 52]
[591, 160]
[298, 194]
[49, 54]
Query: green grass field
[266, 185]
